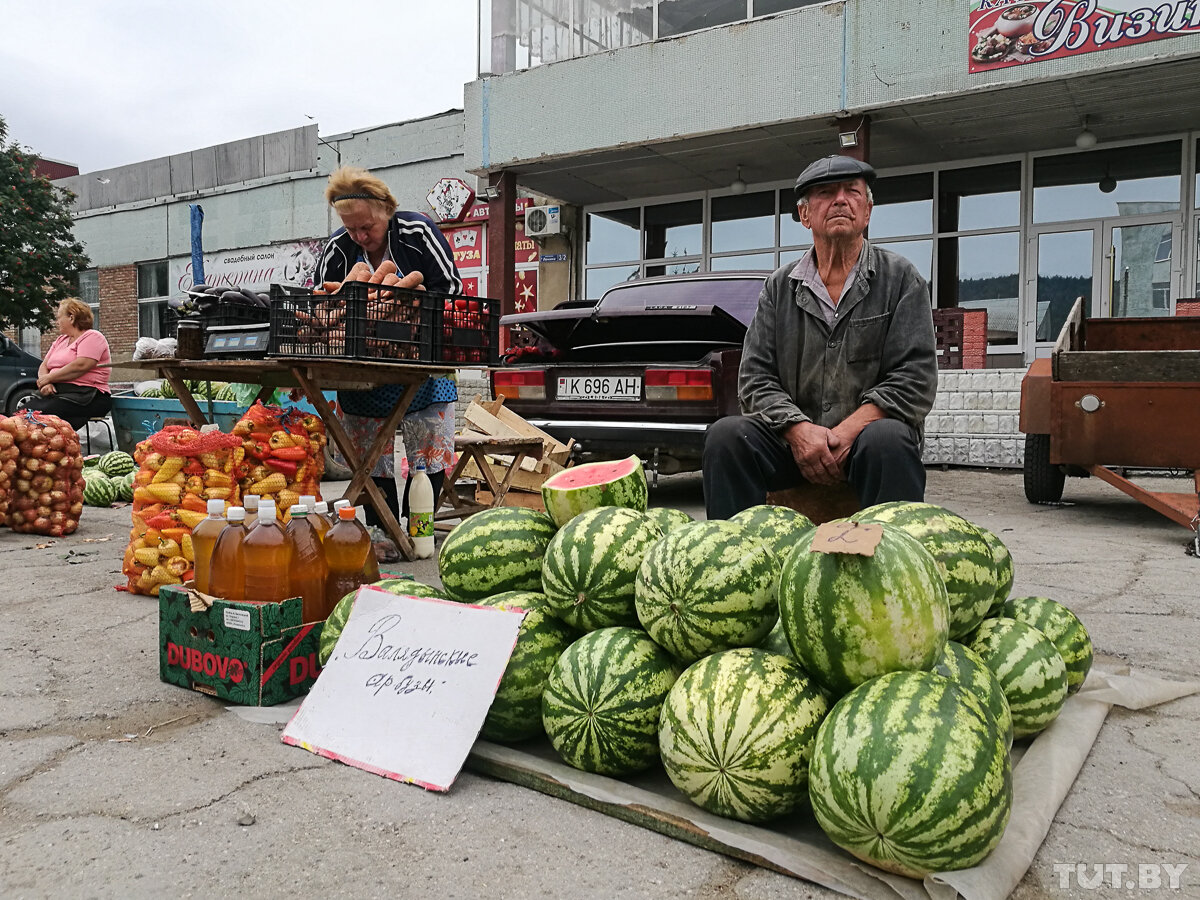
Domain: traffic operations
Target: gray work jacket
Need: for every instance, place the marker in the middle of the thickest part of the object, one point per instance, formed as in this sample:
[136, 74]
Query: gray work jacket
[880, 348]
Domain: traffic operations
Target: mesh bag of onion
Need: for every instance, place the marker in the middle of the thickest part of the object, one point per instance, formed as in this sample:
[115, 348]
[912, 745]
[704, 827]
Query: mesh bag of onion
[41, 474]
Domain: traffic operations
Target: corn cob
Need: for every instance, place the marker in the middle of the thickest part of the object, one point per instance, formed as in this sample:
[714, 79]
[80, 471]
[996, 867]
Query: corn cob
[167, 493]
[189, 552]
[147, 556]
[191, 518]
[171, 465]
[160, 574]
[168, 548]
[272, 484]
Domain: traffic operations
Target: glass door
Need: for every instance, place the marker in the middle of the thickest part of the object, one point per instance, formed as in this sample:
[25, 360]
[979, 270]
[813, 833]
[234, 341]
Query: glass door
[1063, 266]
[1140, 267]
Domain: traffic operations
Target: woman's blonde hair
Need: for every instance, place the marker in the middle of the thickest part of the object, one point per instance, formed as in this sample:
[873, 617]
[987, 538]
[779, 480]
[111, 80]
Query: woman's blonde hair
[80, 313]
[350, 183]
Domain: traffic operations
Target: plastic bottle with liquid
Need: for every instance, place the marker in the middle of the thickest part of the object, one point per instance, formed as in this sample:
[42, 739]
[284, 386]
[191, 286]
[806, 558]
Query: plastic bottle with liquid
[204, 541]
[308, 569]
[228, 573]
[250, 504]
[268, 558]
[420, 512]
[319, 518]
[347, 547]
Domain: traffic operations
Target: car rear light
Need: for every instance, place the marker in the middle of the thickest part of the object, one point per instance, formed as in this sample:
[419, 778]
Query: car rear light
[520, 384]
[679, 384]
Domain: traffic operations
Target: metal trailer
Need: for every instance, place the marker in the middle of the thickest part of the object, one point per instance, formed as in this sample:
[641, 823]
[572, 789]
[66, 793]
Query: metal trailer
[1116, 394]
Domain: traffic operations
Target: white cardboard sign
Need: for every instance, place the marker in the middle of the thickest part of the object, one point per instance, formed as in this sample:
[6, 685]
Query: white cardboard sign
[407, 687]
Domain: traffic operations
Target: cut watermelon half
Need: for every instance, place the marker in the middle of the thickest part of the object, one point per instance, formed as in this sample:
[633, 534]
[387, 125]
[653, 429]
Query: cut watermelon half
[589, 486]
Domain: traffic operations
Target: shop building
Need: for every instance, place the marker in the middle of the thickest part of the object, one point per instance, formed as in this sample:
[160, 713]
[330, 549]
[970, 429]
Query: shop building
[1016, 174]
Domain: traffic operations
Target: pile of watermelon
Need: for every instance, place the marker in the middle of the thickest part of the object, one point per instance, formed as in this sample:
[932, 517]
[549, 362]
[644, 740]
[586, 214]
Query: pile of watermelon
[883, 690]
[108, 479]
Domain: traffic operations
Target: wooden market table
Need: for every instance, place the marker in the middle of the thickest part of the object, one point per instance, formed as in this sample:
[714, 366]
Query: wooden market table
[313, 376]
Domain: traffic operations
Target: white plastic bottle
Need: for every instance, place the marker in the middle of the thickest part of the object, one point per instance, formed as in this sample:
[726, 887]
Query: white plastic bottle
[420, 512]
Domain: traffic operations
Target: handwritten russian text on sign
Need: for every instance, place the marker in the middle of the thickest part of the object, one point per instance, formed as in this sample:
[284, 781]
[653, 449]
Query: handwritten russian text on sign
[860, 538]
[407, 687]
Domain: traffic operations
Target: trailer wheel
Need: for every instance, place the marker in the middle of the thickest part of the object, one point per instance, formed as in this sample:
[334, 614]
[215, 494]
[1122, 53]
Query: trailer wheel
[1043, 480]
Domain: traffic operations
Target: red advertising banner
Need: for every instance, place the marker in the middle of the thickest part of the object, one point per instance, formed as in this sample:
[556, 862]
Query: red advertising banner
[1008, 33]
[467, 242]
[526, 293]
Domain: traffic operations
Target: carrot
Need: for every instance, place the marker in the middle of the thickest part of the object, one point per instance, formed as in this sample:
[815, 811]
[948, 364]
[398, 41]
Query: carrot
[387, 267]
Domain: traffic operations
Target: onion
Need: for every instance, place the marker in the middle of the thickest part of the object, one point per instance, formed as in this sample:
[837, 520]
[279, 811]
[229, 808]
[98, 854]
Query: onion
[76, 509]
[40, 475]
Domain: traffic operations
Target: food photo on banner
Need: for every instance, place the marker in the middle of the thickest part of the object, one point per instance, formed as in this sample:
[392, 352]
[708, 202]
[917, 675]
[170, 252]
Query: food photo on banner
[1009, 33]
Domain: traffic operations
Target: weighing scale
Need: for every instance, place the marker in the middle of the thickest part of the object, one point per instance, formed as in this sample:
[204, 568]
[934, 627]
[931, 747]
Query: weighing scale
[237, 341]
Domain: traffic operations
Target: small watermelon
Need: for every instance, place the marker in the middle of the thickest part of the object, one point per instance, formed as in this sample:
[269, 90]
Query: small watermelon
[668, 519]
[116, 463]
[850, 618]
[516, 712]
[964, 667]
[125, 487]
[779, 527]
[494, 551]
[89, 462]
[737, 731]
[1063, 628]
[1004, 570]
[706, 587]
[963, 557]
[1028, 667]
[580, 488]
[910, 774]
[99, 491]
[591, 564]
[602, 701]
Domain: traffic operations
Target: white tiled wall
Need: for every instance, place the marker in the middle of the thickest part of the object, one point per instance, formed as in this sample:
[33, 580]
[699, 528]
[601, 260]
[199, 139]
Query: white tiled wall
[974, 419]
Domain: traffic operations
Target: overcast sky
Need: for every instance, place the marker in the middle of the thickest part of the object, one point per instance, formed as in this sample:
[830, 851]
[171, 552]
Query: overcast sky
[103, 83]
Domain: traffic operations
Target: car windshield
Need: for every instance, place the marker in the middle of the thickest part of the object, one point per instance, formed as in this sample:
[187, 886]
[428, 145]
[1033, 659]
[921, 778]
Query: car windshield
[737, 296]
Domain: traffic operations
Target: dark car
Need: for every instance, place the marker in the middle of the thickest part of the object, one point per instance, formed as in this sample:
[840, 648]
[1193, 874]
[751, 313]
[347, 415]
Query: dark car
[18, 375]
[644, 370]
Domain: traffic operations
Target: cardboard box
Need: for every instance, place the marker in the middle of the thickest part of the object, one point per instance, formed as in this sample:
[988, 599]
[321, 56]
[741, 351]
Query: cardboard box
[247, 653]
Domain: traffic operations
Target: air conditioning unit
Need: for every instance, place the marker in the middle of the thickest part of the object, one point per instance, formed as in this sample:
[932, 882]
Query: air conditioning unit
[542, 221]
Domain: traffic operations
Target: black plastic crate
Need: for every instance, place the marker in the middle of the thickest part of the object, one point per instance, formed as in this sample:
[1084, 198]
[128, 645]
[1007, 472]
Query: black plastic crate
[234, 314]
[469, 331]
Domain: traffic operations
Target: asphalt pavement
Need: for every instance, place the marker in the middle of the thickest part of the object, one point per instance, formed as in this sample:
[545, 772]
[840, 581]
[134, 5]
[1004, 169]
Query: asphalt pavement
[114, 784]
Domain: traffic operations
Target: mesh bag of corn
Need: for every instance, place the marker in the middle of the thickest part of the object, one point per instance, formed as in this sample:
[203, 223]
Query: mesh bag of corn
[283, 454]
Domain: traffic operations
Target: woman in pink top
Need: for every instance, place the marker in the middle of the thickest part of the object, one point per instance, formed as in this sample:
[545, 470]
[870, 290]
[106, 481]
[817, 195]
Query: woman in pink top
[73, 378]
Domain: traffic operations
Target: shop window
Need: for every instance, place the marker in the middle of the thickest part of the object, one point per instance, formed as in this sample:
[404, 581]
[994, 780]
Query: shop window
[753, 261]
[919, 253]
[680, 268]
[979, 197]
[1064, 273]
[903, 206]
[152, 280]
[983, 272]
[674, 229]
[1121, 181]
[791, 232]
[612, 236]
[745, 222]
[597, 281]
[682, 16]
[767, 7]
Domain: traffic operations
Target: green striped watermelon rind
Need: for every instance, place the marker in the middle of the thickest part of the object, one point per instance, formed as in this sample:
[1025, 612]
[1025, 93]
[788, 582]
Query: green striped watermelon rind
[736, 733]
[963, 666]
[776, 641]
[335, 622]
[929, 755]
[591, 564]
[779, 527]
[603, 698]
[961, 552]
[494, 551]
[116, 463]
[1028, 667]
[668, 519]
[1005, 570]
[850, 618]
[516, 711]
[98, 490]
[1064, 630]
[706, 587]
[621, 483]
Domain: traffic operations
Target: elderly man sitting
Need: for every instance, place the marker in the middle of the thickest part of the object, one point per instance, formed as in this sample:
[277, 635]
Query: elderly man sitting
[839, 365]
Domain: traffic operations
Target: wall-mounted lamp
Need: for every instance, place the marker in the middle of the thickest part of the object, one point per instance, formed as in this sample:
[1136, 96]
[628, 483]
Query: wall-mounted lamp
[848, 139]
[738, 186]
[1085, 140]
[490, 193]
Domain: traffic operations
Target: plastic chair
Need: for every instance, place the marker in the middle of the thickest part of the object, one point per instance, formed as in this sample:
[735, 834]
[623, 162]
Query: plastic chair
[87, 430]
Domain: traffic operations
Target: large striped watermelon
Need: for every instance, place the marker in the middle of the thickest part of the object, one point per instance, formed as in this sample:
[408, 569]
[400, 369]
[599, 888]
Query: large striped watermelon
[910, 774]
[1005, 571]
[668, 519]
[737, 731]
[706, 587]
[1063, 628]
[849, 618]
[99, 490]
[963, 557]
[580, 488]
[335, 623]
[1028, 667]
[494, 551]
[779, 527]
[590, 566]
[116, 463]
[516, 712]
[963, 666]
[603, 698]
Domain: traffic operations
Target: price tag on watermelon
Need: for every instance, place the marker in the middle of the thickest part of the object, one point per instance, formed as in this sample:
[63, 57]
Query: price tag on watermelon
[407, 687]
[860, 538]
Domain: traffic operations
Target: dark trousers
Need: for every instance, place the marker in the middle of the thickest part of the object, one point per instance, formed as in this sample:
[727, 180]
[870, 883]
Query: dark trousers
[74, 413]
[399, 509]
[744, 459]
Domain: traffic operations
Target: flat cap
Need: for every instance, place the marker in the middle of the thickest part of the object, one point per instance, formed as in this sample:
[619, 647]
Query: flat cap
[830, 169]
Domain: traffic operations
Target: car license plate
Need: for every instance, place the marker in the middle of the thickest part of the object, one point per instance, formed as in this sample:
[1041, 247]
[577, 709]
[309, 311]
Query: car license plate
[601, 387]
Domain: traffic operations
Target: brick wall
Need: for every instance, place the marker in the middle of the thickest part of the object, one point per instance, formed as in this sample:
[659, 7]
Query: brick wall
[974, 420]
[1187, 308]
[119, 308]
[974, 344]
